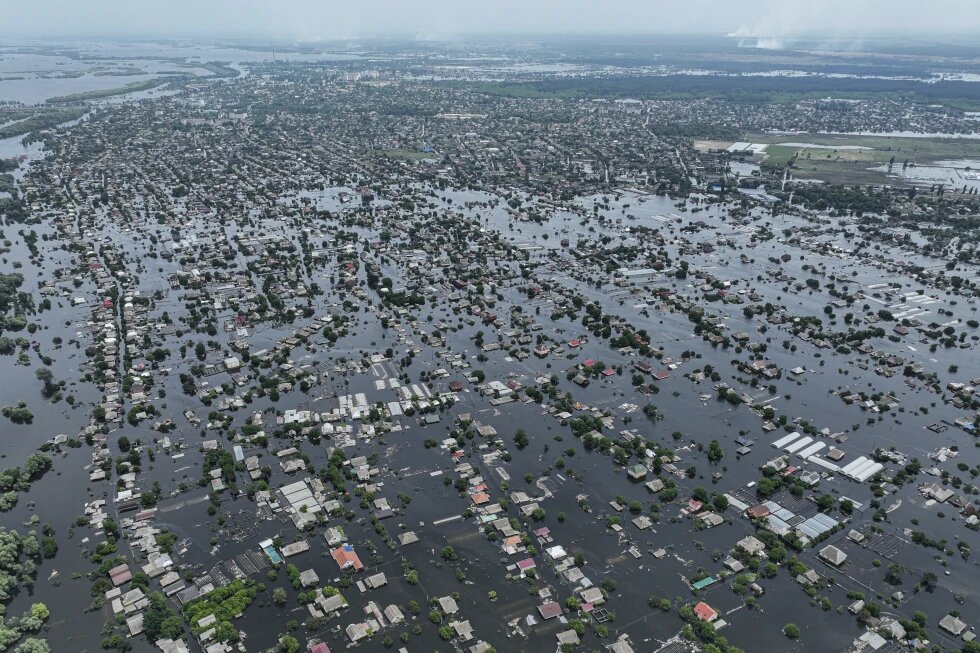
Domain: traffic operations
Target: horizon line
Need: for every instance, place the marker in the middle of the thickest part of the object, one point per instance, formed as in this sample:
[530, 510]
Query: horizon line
[450, 35]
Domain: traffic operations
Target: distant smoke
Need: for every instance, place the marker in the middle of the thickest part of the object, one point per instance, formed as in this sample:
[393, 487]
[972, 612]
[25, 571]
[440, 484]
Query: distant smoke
[771, 28]
[782, 24]
[759, 42]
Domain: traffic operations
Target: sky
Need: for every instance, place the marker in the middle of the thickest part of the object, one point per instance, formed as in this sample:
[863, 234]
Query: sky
[324, 20]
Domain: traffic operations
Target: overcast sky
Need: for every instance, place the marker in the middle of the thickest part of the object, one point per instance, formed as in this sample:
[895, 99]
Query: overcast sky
[306, 20]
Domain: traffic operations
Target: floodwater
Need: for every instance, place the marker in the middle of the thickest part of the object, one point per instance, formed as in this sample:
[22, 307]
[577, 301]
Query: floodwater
[408, 466]
[32, 76]
[743, 169]
[814, 146]
[36, 90]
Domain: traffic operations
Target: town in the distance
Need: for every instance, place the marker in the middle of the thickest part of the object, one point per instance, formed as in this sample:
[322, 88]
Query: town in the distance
[652, 344]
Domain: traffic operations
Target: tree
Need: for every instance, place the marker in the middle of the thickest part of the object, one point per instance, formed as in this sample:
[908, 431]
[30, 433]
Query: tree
[33, 646]
[288, 644]
[36, 465]
[792, 631]
[894, 574]
[279, 596]
[766, 487]
[160, 621]
[40, 611]
[45, 375]
[720, 501]
[8, 636]
[715, 452]
[520, 439]
[172, 627]
[117, 642]
[49, 547]
[226, 632]
[19, 414]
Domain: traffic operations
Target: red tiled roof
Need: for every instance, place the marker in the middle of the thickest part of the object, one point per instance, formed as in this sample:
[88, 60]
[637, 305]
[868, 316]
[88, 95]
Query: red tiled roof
[480, 498]
[345, 557]
[705, 612]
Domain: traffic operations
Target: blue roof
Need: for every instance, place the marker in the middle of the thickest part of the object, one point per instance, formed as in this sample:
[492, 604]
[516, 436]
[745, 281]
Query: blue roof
[704, 582]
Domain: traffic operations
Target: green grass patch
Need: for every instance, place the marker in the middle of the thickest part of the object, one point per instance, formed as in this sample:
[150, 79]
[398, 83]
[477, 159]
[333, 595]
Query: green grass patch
[777, 156]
